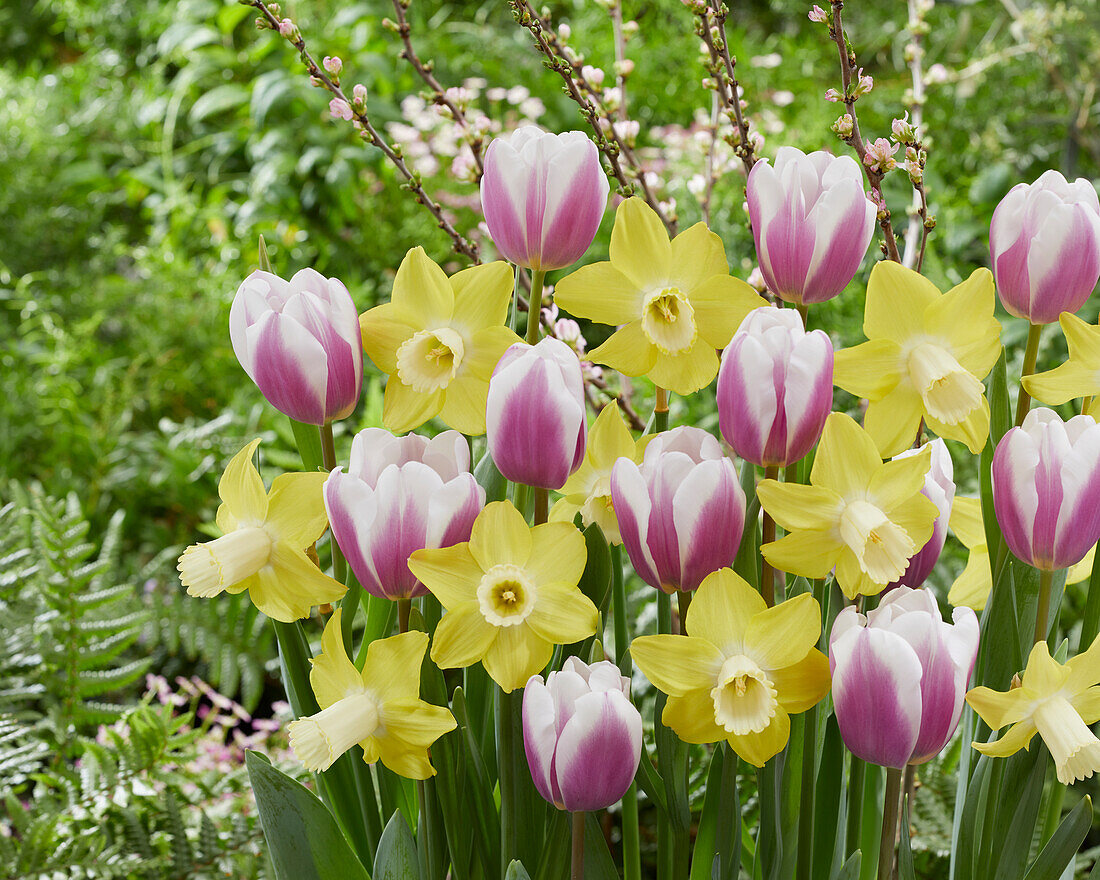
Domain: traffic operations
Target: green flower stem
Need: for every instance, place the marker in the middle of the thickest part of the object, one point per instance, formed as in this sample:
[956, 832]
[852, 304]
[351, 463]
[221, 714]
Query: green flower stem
[632, 850]
[632, 853]
[890, 809]
[1042, 615]
[683, 602]
[806, 806]
[660, 411]
[542, 505]
[857, 772]
[802, 313]
[534, 306]
[1031, 353]
[768, 575]
[576, 864]
[506, 748]
[328, 453]
[404, 608]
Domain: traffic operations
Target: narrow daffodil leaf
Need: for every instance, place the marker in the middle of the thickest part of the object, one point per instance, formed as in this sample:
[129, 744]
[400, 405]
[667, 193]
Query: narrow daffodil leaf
[1064, 844]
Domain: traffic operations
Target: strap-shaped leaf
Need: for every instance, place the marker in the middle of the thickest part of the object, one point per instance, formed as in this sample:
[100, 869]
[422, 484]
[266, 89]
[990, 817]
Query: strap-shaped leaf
[1063, 844]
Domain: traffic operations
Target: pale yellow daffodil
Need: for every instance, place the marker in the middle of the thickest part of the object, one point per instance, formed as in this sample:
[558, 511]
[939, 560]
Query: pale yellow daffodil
[379, 708]
[438, 339]
[1079, 376]
[1057, 702]
[588, 490]
[1082, 571]
[675, 299]
[263, 543]
[860, 515]
[925, 357]
[972, 587]
[510, 593]
[742, 669]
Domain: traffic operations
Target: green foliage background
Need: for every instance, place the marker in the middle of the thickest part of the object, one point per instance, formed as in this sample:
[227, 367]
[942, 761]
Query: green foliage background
[145, 145]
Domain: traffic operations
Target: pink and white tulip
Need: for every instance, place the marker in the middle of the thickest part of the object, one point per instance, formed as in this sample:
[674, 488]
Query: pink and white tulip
[899, 676]
[399, 495]
[543, 196]
[582, 735]
[775, 387]
[682, 512]
[811, 221]
[939, 488]
[1044, 241]
[1046, 489]
[299, 341]
[534, 414]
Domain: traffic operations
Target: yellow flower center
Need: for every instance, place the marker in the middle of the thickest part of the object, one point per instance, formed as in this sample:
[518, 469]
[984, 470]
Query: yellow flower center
[950, 393]
[882, 547]
[668, 320]
[207, 569]
[322, 738]
[744, 697]
[428, 360]
[506, 595]
[1075, 749]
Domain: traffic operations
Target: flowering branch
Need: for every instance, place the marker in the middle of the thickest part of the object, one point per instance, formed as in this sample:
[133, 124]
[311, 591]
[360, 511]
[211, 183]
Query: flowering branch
[609, 139]
[355, 111]
[877, 158]
[711, 27]
[440, 96]
[919, 221]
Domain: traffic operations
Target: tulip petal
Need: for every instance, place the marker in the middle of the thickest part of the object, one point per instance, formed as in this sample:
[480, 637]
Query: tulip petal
[296, 509]
[783, 635]
[242, 490]
[677, 664]
[640, 248]
[451, 573]
[600, 293]
[803, 685]
[515, 655]
[462, 637]
[562, 614]
[540, 737]
[598, 751]
[758, 748]
[721, 610]
[290, 367]
[708, 514]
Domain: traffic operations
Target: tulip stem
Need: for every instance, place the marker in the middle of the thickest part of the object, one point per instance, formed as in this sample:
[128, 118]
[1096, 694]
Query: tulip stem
[768, 575]
[542, 505]
[660, 411]
[404, 608]
[1042, 614]
[534, 305]
[328, 457]
[890, 809]
[683, 602]
[576, 870]
[803, 311]
[1031, 353]
[856, 774]
[509, 849]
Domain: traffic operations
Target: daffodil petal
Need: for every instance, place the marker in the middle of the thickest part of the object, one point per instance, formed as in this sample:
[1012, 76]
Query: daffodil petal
[998, 708]
[1083, 569]
[721, 303]
[685, 373]
[846, 457]
[333, 676]
[697, 254]
[964, 316]
[416, 722]
[677, 665]
[392, 668]
[892, 422]
[500, 535]
[721, 610]
[484, 350]
[627, 350]
[758, 748]
[412, 764]
[1084, 669]
[384, 328]
[1017, 737]
[897, 481]
[600, 293]
[464, 405]
[558, 554]
[481, 295]
[784, 634]
[640, 248]
[870, 370]
[290, 585]
[896, 300]
[450, 573]
[1043, 674]
[973, 430]
[422, 290]
[803, 685]
[1087, 704]
[516, 654]
[463, 637]
[1064, 383]
[691, 717]
[795, 506]
[810, 553]
[562, 615]
[609, 439]
[973, 586]
[296, 509]
[404, 408]
[852, 579]
[241, 488]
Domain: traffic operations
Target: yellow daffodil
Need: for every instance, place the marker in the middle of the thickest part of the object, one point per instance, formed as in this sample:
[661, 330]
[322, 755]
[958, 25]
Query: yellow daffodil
[438, 339]
[972, 587]
[676, 300]
[742, 669]
[1057, 702]
[1079, 376]
[925, 357]
[379, 708]
[510, 593]
[860, 515]
[263, 543]
[1082, 571]
[589, 489]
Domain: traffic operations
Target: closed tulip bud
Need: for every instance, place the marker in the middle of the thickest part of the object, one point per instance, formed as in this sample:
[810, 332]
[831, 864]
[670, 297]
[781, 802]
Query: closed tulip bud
[811, 221]
[939, 488]
[682, 512]
[1044, 241]
[543, 196]
[399, 495]
[899, 676]
[1046, 489]
[582, 735]
[534, 415]
[775, 387]
[299, 341]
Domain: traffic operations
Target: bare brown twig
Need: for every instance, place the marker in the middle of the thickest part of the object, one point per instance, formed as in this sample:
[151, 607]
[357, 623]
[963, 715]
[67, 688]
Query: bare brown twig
[920, 224]
[366, 129]
[711, 26]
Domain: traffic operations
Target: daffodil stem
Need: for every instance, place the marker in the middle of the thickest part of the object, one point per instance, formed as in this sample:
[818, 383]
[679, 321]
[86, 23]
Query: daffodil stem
[506, 754]
[404, 608]
[857, 772]
[891, 805]
[768, 574]
[632, 850]
[542, 505]
[1042, 614]
[328, 457]
[534, 305]
[1031, 353]
[576, 869]
[806, 804]
[660, 411]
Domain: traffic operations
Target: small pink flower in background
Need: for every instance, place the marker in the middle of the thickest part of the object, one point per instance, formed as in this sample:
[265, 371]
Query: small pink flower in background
[880, 155]
[286, 27]
[543, 196]
[299, 341]
[399, 495]
[332, 65]
[817, 14]
[1046, 489]
[582, 735]
[359, 94]
[338, 108]
[939, 488]
[1044, 241]
[833, 96]
[775, 387]
[534, 414]
[811, 222]
[682, 512]
[899, 676]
